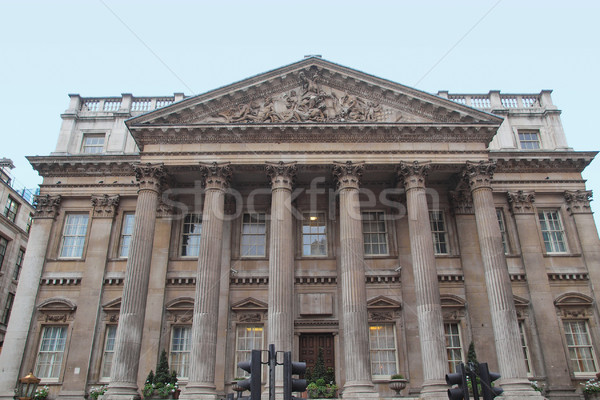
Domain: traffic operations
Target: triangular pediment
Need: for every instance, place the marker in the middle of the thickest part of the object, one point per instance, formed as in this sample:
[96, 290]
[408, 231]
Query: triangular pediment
[250, 304]
[380, 302]
[312, 91]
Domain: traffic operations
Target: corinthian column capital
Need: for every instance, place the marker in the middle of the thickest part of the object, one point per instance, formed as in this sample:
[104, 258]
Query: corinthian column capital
[412, 175]
[150, 176]
[479, 174]
[348, 174]
[521, 202]
[578, 201]
[282, 175]
[104, 205]
[46, 206]
[216, 176]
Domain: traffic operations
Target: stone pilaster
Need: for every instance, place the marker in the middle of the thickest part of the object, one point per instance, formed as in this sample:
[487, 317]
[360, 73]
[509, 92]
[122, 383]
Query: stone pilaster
[355, 320]
[429, 308]
[24, 305]
[500, 297]
[281, 261]
[128, 341]
[104, 208]
[578, 201]
[201, 383]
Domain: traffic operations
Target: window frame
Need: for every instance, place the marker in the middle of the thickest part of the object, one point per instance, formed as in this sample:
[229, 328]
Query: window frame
[106, 352]
[29, 223]
[3, 249]
[182, 235]
[307, 216]
[528, 140]
[503, 231]
[525, 347]
[385, 233]
[590, 346]
[435, 233]
[11, 209]
[188, 343]
[253, 235]
[19, 263]
[240, 352]
[452, 363]
[79, 237]
[62, 353]
[562, 232]
[10, 301]
[124, 235]
[372, 350]
[90, 135]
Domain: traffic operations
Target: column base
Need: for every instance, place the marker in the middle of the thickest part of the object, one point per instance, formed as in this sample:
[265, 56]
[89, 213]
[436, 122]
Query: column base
[515, 389]
[121, 391]
[434, 390]
[199, 391]
[359, 390]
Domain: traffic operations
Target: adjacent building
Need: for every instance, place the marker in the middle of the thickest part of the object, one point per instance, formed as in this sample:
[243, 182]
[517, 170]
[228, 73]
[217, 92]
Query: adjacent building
[16, 217]
[312, 207]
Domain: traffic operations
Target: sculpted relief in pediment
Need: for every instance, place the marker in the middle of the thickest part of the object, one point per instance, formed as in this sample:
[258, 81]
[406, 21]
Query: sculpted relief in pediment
[310, 102]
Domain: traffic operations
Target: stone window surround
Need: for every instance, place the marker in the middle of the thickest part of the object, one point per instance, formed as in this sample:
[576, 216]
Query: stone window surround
[11, 209]
[171, 363]
[392, 324]
[329, 229]
[104, 352]
[267, 221]
[62, 236]
[88, 133]
[236, 226]
[56, 238]
[388, 235]
[122, 235]
[570, 245]
[180, 235]
[543, 140]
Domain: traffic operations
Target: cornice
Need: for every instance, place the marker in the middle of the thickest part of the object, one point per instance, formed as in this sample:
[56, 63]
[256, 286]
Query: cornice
[99, 165]
[542, 161]
[311, 133]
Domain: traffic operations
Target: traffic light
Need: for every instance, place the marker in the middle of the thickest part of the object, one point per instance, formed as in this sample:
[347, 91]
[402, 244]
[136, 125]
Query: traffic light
[252, 366]
[458, 378]
[487, 378]
[292, 368]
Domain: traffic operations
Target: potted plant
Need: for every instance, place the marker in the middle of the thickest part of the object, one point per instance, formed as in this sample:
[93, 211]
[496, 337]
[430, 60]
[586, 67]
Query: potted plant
[163, 384]
[397, 383]
[96, 392]
[591, 389]
[41, 393]
[321, 380]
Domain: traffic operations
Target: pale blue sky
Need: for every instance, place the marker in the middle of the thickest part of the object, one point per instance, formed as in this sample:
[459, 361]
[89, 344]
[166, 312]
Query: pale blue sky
[104, 48]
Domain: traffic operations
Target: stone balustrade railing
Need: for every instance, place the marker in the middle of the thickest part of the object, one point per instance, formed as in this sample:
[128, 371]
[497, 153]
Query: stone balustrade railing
[127, 103]
[494, 100]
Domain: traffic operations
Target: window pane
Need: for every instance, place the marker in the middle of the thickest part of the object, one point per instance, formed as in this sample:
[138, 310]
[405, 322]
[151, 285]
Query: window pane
[374, 233]
[438, 231]
[314, 234]
[552, 231]
[249, 337]
[181, 338]
[74, 235]
[453, 345]
[254, 238]
[382, 343]
[580, 347]
[109, 349]
[50, 355]
[190, 240]
[126, 234]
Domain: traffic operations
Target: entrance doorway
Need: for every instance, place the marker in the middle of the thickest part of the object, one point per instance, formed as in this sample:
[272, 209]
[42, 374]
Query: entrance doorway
[309, 349]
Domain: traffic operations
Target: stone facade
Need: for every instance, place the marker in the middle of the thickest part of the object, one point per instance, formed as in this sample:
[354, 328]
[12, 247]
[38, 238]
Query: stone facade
[16, 212]
[313, 206]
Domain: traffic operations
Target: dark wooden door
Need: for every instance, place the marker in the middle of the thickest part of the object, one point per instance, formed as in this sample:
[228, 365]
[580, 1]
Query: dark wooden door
[309, 349]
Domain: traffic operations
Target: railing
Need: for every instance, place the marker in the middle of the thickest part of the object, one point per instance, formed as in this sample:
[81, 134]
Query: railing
[25, 193]
[127, 103]
[496, 100]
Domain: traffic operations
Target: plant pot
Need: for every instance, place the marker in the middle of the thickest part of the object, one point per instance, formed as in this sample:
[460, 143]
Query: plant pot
[397, 385]
[592, 396]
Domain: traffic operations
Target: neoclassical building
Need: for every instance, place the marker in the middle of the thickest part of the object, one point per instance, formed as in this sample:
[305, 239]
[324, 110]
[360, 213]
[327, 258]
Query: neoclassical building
[311, 207]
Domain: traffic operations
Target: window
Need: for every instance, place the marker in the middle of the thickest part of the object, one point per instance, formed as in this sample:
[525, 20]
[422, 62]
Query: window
[438, 230]
[19, 264]
[3, 246]
[314, 234]
[29, 223]
[74, 236]
[525, 346]
[500, 216]
[10, 211]
[50, 355]
[181, 344]
[529, 140]
[93, 144]
[109, 351]
[583, 360]
[190, 238]
[453, 345]
[382, 345]
[249, 337]
[552, 231]
[375, 233]
[254, 238]
[8, 308]
[126, 233]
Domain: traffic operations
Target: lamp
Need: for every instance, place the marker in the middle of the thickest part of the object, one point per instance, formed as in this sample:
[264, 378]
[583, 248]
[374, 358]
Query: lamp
[27, 387]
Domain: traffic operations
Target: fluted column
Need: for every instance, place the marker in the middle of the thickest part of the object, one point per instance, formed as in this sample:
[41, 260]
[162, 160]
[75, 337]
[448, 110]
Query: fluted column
[281, 261]
[500, 297]
[201, 383]
[128, 341]
[23, 307]
[429, 308]
[355, 320]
